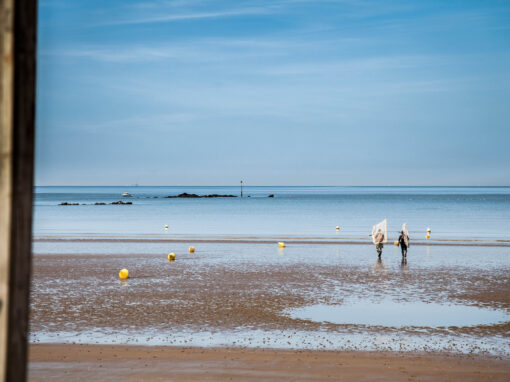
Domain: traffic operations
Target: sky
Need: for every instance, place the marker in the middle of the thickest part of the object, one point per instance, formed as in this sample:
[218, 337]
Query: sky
[277, 92]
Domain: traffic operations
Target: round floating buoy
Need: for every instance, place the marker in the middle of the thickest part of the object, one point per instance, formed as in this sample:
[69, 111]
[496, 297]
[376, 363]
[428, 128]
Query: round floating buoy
[337, 228]
[123, 274]
[191, 249]
[281, 244]
[427, 237]
[166, 226]
[171, 256]
[395, 243]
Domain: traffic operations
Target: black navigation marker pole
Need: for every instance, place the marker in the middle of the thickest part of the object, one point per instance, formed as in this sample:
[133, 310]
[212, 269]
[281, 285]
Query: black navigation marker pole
[241, 188]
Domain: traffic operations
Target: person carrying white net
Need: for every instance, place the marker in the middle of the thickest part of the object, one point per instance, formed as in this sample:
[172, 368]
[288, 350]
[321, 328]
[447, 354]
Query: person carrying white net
[403, 240]
[380, 236]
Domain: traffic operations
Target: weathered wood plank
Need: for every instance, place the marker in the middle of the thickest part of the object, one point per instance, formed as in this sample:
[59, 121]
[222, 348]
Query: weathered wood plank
[18, 69]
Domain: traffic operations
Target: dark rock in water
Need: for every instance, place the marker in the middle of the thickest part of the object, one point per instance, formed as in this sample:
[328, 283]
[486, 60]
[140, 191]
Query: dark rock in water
[121, 202]
[186, 195]
[69, 204]
[100, 204]
[271, 196]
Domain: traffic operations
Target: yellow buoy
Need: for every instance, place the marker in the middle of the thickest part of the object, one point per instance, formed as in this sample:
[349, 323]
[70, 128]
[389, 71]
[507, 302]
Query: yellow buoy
[166, 226]
[191, 249]
[171, 257]
[123, 274]
[337, 228]
[281, 244]
[427, 237]
[395, 243]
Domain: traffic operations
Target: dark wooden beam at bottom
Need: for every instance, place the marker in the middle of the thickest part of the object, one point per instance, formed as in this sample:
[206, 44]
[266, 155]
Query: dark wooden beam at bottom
[19, 28]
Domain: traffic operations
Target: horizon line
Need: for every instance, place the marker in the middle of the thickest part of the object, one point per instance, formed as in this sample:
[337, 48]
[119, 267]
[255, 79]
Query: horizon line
[244, 185]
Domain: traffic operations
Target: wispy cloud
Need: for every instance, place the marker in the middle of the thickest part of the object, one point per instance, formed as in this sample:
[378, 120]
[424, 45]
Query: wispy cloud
[365, 64]
[202, 50]
[163, 18]
[152, 122]
[198, 53]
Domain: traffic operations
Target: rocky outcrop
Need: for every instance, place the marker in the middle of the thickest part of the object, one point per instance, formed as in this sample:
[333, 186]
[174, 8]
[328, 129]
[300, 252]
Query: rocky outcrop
[94, 204]
[271, 196]
[186, 195]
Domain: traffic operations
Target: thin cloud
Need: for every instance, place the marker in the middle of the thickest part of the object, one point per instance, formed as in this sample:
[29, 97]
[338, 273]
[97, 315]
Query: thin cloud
[356, 65]
[176, 53]
[202, 50]
[191, 16]
[162, 122]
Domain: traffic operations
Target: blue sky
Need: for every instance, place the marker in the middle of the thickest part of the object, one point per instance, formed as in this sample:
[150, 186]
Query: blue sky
[289, 92]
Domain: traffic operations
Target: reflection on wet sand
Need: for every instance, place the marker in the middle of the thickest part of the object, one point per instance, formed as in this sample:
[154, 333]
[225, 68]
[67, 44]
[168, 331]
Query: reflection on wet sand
[379, 267]
[403, 265]
[238, 294]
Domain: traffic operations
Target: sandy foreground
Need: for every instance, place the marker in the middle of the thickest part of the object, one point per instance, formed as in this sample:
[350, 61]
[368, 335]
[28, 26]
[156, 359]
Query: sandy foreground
[220, 313]
[58, 362]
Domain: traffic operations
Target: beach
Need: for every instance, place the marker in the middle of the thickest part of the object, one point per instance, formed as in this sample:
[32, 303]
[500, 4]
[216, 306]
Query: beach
[144, 363]
[240, 306]
[240, 299]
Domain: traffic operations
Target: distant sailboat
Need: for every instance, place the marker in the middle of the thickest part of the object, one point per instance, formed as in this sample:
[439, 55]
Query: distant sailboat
[126, 195]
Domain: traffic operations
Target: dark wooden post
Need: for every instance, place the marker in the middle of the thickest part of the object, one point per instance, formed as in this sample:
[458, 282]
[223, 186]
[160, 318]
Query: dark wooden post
[17, 117]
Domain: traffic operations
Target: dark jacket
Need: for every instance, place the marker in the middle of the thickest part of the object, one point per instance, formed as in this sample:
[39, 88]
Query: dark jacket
[401, 241]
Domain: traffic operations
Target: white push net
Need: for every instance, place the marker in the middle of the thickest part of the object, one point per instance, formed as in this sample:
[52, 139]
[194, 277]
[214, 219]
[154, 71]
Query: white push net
[380, 232]
[405, 234]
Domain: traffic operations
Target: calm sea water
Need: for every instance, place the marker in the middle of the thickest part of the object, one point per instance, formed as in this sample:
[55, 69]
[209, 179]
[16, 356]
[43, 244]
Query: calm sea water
[451, 212]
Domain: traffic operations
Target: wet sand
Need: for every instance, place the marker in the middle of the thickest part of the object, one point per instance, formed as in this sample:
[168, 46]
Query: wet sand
[212, 292]
[57, 362]
[230, 303]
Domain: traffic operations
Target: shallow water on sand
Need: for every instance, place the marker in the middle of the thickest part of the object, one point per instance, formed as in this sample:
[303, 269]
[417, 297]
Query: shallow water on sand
[216, 253]
[244, 294]
[394, 314]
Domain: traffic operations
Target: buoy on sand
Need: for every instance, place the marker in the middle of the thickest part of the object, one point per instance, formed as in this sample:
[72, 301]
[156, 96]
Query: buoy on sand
[281, 244]
[123, 274]
[191, 249]
[171, 256]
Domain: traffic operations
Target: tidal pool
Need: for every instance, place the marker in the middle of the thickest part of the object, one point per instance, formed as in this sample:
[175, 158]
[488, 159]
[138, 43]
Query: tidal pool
[395, 314]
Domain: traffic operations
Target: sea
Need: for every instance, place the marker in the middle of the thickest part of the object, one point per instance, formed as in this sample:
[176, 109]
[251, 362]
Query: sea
[451, 213]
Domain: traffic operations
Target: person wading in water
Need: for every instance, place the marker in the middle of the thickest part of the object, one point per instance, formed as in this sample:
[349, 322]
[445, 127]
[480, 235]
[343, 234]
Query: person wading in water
[403, 240]
[379, 236]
